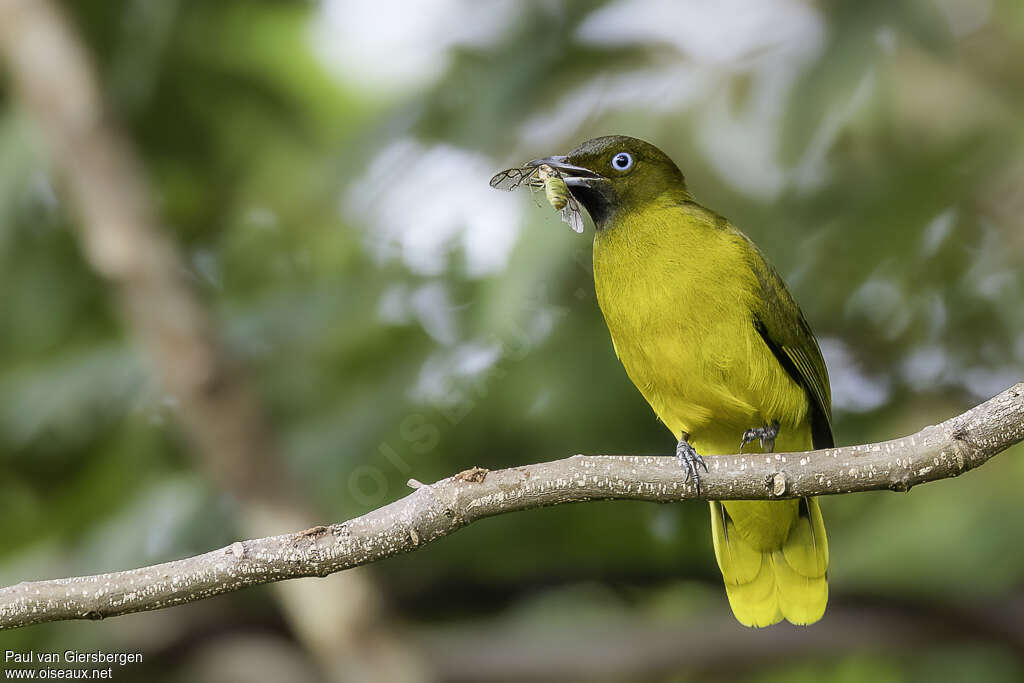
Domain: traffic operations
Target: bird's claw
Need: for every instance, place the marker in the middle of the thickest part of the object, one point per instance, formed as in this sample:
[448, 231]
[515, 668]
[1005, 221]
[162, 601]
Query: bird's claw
[691, 462]
[766, 435]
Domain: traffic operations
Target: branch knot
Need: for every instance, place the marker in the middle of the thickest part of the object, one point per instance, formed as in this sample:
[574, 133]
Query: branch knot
[776, 484]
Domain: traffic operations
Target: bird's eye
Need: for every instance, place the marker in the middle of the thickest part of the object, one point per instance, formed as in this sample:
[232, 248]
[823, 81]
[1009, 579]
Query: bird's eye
[623, 161]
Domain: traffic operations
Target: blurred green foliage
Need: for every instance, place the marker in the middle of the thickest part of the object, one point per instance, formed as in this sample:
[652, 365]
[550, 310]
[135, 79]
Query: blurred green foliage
[340, 232]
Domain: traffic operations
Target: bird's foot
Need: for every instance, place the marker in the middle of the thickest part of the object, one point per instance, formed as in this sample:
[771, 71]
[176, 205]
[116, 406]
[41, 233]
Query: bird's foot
[691, 462]
[766, 435]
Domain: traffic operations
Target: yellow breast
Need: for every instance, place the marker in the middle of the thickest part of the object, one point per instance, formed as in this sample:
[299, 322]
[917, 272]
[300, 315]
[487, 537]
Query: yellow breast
[677, 290]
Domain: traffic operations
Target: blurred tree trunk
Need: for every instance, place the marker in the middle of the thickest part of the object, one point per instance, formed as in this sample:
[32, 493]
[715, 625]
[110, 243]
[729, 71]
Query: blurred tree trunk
[340, 620]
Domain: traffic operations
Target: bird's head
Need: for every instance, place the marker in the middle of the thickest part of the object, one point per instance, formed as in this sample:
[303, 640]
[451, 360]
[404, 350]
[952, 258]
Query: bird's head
[615, 174]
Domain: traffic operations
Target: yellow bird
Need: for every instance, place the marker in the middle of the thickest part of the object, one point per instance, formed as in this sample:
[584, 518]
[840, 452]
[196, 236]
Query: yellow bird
[709, 334]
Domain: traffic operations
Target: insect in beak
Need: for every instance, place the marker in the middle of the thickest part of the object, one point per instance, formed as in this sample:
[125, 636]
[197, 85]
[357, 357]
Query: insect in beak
[573, 176]
[560, 180]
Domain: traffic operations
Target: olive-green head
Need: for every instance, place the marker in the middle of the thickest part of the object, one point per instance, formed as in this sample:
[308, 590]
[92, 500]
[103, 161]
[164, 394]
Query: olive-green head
[616, 174]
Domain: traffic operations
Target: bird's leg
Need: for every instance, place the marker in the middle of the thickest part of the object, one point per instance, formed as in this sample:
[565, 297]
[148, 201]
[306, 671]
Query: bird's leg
[766, 435]
[690, 460]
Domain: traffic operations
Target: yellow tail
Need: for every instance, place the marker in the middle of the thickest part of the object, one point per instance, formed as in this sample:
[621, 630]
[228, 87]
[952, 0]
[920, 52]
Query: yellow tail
[773, 557]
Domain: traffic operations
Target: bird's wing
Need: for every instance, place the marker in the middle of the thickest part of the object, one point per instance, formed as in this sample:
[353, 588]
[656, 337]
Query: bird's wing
[784, 329]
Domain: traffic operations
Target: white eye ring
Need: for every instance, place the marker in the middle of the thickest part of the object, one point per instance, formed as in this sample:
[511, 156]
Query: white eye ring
[623, 161]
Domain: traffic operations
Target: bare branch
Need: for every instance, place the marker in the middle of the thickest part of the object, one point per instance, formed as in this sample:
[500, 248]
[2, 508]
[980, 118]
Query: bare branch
[432, 512]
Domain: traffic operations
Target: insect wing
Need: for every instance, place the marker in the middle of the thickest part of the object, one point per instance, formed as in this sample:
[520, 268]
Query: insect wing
[512, 178]
[572, 216]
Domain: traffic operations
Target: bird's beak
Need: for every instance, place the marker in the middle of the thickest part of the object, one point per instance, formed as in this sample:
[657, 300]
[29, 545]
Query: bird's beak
[574, 176]
[590, 189]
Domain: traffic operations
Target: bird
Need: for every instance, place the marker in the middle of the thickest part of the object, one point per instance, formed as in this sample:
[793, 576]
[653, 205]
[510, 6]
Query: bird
[708, 332]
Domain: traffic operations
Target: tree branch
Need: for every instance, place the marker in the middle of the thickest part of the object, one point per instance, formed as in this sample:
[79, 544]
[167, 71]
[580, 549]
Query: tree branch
[432, 512]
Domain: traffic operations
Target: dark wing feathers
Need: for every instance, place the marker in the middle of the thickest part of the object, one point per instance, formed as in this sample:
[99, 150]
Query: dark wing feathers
[807, 370]
[785, 331]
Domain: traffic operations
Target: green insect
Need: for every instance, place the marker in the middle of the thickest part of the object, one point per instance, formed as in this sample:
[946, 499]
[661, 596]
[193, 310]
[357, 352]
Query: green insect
[537, 176]
[555, 189]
